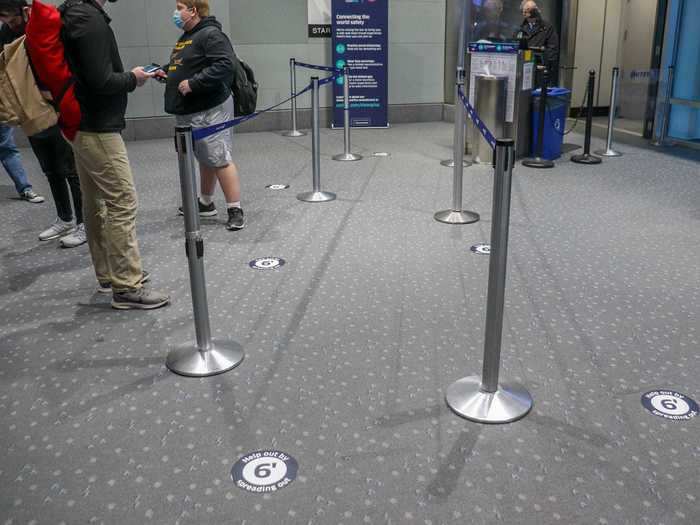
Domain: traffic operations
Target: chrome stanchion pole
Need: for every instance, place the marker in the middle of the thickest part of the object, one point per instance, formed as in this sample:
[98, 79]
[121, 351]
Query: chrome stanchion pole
[294, 132]
[660, 139]
[456, 215]
[464, 14]
[316, 195]
[346, 155]
[207, 357]
[485, 399]
[586, 157]
[609, 151]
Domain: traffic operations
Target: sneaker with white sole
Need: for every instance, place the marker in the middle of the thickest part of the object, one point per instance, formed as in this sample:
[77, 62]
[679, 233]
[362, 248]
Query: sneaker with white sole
[76, 238]
[58, 229]
[236, 219]
[205, 210]
[140, 299]
[107, 287]
[30, 195]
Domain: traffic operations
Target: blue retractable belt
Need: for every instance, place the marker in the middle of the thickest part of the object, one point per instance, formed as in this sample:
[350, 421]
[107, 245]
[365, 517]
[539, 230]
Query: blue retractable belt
[488, 136]
[202, 133]
[320, 68]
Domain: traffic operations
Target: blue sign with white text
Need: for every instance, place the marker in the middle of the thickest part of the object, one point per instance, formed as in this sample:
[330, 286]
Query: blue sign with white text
[361, 41]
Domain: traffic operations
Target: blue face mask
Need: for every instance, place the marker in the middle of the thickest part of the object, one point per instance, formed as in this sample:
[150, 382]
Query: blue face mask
[177, 19]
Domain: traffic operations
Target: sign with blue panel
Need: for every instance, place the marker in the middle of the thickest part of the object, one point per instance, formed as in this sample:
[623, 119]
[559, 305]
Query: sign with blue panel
[486, 47]
[361, 40]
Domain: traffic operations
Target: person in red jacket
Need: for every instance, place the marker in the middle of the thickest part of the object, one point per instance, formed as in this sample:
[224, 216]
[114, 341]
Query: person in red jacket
[54, 154]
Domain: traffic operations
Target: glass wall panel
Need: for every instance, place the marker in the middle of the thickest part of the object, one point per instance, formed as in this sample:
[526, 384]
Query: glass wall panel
[684, 122]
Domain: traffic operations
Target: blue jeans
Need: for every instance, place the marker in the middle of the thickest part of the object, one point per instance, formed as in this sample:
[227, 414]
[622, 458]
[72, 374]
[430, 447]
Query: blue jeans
[10, 159]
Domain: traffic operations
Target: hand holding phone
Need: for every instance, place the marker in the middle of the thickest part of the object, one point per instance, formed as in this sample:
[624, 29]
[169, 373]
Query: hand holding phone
[152, 68]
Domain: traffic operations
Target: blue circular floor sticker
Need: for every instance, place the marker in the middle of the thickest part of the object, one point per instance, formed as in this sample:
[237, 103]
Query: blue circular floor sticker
[277, 186]
[481, 249]
[264, 471]
[267, 263]
[670, 405]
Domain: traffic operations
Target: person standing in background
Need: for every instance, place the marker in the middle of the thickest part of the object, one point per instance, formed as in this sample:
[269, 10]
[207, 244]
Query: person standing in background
[51, 149]
[198, 92]
[540, 33]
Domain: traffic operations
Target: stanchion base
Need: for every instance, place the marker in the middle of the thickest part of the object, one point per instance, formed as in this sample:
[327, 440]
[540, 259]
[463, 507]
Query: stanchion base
[347, 157]
[607, 153]
[457, 217]
[294, 133]
[316, 196]
[509, 403]
[450, 163]
[189, 361]
[586, 158]
[538, 162]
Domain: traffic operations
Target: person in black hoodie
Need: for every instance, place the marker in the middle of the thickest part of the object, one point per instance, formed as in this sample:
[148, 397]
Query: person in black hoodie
[51, 149]
[198, 92]
[109, 196]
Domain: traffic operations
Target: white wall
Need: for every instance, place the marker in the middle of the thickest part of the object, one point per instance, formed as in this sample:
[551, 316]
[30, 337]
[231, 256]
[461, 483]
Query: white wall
[597, 35]
[266, 33]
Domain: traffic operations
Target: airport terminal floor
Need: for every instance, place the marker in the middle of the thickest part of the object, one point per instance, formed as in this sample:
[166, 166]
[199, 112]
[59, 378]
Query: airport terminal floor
[351, 344]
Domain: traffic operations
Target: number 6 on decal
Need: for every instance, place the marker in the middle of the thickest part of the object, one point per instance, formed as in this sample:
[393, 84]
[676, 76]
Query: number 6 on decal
[263, 470]
[669, 404]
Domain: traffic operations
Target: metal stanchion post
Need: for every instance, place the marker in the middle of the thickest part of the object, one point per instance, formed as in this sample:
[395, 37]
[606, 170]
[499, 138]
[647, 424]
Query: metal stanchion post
[538, 161]
[456, 215]
[450, 163]
[316, 195]
[464, 15]
[294, 132]
[207, 357]
[609, 151]
[586, 157]
[346, 155]
[484, 399]
[661, 137]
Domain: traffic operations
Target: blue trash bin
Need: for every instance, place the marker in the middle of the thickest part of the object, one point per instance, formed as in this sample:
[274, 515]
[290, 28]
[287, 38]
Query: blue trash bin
[554, 121]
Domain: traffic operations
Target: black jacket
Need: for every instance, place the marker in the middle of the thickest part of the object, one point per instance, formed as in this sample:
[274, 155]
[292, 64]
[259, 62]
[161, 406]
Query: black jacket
[203, 56]
[7, 35]
[92, 53]
[544, 35]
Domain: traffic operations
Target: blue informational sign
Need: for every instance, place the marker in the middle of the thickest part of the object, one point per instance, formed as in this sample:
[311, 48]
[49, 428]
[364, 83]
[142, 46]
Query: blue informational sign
[361, 40]
[485, 47]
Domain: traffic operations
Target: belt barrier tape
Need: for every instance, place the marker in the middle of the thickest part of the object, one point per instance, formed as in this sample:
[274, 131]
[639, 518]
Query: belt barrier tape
[488, 136]
[202, 133]
[330, 69]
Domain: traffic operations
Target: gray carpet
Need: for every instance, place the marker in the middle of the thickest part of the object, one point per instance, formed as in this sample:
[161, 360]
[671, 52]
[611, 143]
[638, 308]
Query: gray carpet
[351, 345]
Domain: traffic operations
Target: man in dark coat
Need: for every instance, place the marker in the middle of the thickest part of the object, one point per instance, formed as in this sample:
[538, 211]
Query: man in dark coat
[540, 33]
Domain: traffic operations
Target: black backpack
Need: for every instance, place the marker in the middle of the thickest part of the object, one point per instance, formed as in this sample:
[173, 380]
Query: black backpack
[244, 87]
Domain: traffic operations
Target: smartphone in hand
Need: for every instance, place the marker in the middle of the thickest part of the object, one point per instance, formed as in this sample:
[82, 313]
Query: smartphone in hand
[152, 68]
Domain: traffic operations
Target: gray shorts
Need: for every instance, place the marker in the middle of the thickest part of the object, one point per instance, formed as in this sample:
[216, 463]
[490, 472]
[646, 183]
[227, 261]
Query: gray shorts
[214, 151]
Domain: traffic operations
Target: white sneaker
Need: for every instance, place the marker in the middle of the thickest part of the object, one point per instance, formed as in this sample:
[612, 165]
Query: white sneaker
[56, 230]
[76, 238]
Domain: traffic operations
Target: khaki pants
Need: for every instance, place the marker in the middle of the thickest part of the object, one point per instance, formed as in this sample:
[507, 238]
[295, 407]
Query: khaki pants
[109, 208]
